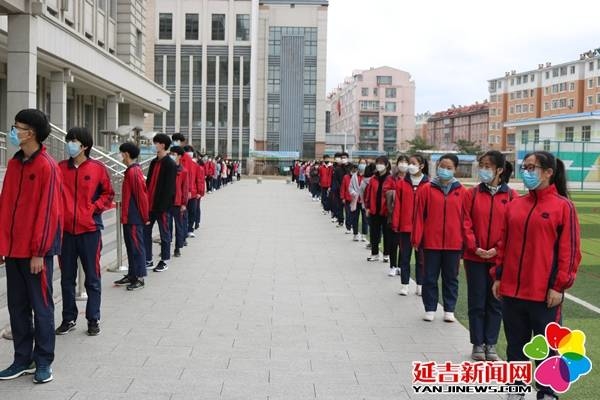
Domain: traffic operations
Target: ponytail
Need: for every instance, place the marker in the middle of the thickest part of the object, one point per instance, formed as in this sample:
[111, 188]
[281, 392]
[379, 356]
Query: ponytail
[506, 172]
[559, 179]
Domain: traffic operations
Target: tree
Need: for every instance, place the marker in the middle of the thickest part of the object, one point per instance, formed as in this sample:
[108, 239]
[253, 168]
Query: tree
[467, 147]
[418, 144]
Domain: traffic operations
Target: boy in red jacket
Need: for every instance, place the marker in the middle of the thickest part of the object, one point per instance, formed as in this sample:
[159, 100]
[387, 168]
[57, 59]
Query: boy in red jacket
[134, 215]
[87, 193]
[182, 195]
[30, 234]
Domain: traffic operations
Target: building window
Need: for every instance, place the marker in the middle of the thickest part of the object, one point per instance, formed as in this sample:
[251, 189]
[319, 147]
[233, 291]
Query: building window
[572, 69]
[390, 93]
[546, 145]
[390, 122]
[546, 106]
[222, 113]
[569, 134]
[171, 72]
[139, 43]
[590, 100]
[310, 80]
[158, 70]
[532, 77]
[211, 71]
[598, 98]
[524, 137]
[571, 103]
[165, 26]
[390, 106]
[590, 83]
[571, 86]
[375, 92]
[547, 74]
[536, 136]
[586, 133]
[531, 108]
[499, 84]
[274, 80]
[364, 91]
[223, 71]
[384, 80]
[510, 139]
[242, 27]
[591, 66]
[191, 26]
[218, 27]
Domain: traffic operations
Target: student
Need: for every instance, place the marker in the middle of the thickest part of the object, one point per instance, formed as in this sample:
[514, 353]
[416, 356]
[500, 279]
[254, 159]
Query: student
[346, 197]
[210, 171]
[314, 182]
[377, 209]
[325, 183]
[31, 219]
[396, 184]
[193, 169]
[370, 171]
[87, 193]
[182, 193]
[417, 177]
[200, 190]
[302, 176]
[356, 208]
[484, 207]
[437, 229]
[134, 215]
[160, 181]
[339, 171]
[538, 256]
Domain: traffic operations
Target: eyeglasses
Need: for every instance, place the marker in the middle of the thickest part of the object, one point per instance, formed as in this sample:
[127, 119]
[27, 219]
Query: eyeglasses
[530, 167]
[19, 128]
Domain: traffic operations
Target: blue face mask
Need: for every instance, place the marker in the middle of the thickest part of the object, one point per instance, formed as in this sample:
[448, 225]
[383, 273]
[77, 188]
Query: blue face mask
[13, 137]
[531, 180]
[445, 174]
[486, 175]
[73, 149]
[362, 167]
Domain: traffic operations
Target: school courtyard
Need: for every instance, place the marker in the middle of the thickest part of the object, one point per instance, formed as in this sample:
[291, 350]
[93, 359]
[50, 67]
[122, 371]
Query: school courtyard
[269, 301]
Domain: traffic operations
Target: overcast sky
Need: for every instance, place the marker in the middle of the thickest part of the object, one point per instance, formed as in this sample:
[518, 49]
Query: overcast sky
[451, 48]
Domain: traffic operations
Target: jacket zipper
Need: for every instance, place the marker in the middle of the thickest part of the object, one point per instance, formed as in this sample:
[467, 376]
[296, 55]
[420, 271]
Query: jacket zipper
[75, 205]
[523, 247]
[490, 224]
[12, 225]
[444, 225]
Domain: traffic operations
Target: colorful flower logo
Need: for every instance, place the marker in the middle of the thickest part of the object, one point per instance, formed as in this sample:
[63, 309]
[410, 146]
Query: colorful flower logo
[559, 371]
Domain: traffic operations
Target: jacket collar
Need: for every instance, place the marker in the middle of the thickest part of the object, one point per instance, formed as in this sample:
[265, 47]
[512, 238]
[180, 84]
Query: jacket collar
[453, 185]
[543, 193]
[20, 155]
[502, 188]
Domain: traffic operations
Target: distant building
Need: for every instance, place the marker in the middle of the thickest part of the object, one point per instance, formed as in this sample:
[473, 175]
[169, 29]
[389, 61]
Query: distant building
[421, 124]
[470, 123]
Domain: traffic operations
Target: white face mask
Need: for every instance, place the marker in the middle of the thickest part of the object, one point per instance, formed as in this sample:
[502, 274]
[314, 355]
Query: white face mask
[344, 161]
[176, 143]
[190, 153]
[403, 167]
[337, 159]
[380, 167]
[173, 157]
[413, 169]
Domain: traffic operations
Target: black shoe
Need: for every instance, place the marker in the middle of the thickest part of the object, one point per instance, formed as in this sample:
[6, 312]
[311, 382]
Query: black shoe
[93, 328]
[149, 265]
[196, 226]
[177, 253]
[65, 327]
[123, 281]
[137, 284]
[162, 266]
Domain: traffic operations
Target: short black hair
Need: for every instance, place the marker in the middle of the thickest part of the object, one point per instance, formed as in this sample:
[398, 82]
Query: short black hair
[37, 121]
[450, 156]
[178, 136]
[131, 149]
[83, 135]
[177, 150]
[326, 156]
[187, 148]
[163, 139]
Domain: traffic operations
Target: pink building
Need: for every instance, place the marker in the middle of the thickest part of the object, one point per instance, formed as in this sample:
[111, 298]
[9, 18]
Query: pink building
[470, 123]
[377, 107]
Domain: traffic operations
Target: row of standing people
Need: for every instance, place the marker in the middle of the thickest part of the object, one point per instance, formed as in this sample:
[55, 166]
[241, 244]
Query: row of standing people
[520, 253]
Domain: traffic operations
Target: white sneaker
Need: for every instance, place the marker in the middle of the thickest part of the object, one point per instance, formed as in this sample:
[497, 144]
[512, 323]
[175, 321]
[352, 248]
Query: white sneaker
[363, 238]
[348, 232]
[324, 212]
[419, 290]
[333, 220]
[404, 290]
[373, 257]
[386, 259]
[429, 316]
[392, 271]
[449, 317]
[355, 238]
[191, 235]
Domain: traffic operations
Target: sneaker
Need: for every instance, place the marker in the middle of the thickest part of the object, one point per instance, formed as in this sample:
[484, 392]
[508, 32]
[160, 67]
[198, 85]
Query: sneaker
[478, 353]
[65, 327]
[429, 316]
[324, 212]
[123, 281]
[333, 220]
[93, 328]
[386, 259]
[348, 232]
[355, 238]
[196, 226]
[191, 235]
[43, 374]
[449, 317]
[373, 257]
[368, 246]
[149, 265]
[490, 353]
[364, 239]
[404, 290]
[15, 371]
[162, 266]
[419, 290]
[138, 284]
[339, 225]
[177, 253]
[392, 271]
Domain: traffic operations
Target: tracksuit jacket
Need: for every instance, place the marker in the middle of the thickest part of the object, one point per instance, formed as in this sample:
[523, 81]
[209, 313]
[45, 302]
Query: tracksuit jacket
[371, 194]
[135, 210]
[325, 175]
[161, 174]
[404, 206]
[181, 187]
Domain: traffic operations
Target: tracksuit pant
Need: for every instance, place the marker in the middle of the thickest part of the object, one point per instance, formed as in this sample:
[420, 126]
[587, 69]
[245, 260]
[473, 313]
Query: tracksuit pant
[395, 251]
[165, 235]
[337, 207]
[31, 310]
[198, 214]
[522, 320]
[347, 218]
[208, 183]
[86, 247]
[315, 190]
[179, 218]
[325, 199]
[485, 311]
[406, 250]
[379, 226]
[354, 216]
[133, 235]
[447, 262]
[192, 208]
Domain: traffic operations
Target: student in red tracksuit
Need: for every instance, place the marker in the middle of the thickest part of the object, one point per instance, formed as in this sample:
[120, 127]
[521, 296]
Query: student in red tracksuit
[437, 229]
[538, 256]
[182, 194]
[484, 208]
[210, 171]
[87, 193]
[200, 190]
[377, 211]
[325, 171]
[30, 235]
[395, 182]
[191, 166]
[346, 197]
[134, 215]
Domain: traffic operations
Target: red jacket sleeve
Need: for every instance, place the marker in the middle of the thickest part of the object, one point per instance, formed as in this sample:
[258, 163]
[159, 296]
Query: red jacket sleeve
[569, 249]
[496, 270]
[49, 218]
[468, 234]
[141, 195]
[419, 221]
[200, 181]
[185, 187]
[105, 201]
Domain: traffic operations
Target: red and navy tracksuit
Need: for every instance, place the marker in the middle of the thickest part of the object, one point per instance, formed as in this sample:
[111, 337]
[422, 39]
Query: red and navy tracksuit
[539, 250]
[178, 213]
[325, 174]
[437, 229]
[346, 199]
[200, 192]
[376, 204]
[484, 217]
[160, 182]
[87, 193]
[134, 215]
[197, 190]
[31, 220]
[337, 207]
[401, 228]
[359, 212]
[210, 172]
[192, 171]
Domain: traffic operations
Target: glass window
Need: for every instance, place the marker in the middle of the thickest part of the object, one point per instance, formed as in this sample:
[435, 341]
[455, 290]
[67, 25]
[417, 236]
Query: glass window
[158, 69]
[184, 113]
[171, 70]
[591, 66]
[197, 65]
[246, 72]
[223, 71]
[375, 92]
[536, 136]
[384, 80]
[510, 139]
[218, 27]
[165, 26]
[185, 71]
[390, 106]
[236, 71]
[590, 83]
[364, 91]
[310, 80]
[236, 113]
[210, 114]
[390, 122]
[390, 93]
[524, 137]
[246, 113]
[569, 134]
[586, 133]
[274, 82]
[222, 114]
[139, 43]
[191, 26]
[242, 27]
[211, 71]
[197, 113]
[590, 100]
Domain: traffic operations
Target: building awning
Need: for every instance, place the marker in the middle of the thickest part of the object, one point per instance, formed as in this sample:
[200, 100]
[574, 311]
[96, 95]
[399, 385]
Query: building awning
[577, 117]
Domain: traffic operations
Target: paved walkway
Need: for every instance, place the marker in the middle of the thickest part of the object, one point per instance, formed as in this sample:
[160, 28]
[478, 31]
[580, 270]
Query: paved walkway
[270, 301]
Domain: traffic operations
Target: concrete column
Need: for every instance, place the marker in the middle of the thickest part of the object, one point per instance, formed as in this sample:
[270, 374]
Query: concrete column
[58, 99]
[112, 113]
[21, 66]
